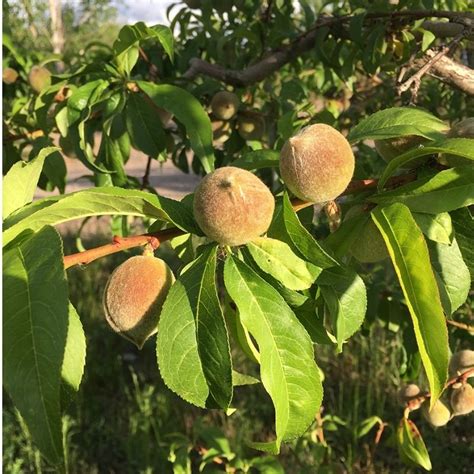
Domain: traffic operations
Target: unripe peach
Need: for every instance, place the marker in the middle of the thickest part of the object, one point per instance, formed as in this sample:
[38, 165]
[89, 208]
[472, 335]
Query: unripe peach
[463, 129]
[9, 75]
[462, 400]
[317, 164]
[134, 295]
[250, 126]
[407, 393]
[370, 246]
[39, 78]
[232, 206]
[439, 414]
[461, 361]
[224, 105]
[390, 148]
[221, 131]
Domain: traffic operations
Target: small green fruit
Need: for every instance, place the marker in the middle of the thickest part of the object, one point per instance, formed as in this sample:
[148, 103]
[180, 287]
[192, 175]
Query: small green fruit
[9, 75]
[439, 414]
[370, 246]
[221, 131]
[462, 400]
[390, 148]
[134, 296]
[232, 206]
[39, 78]
[317, 164]
[224, 105]
[408, 393]
[463, 129]
[250, 126]
[461, 362]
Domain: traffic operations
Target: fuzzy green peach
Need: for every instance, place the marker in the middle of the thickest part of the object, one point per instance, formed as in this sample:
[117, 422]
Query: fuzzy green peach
[317, 164]
[134, 296]
[233, 206]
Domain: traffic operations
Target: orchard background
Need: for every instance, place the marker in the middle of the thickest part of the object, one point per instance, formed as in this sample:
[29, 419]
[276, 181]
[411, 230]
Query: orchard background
[319, 347]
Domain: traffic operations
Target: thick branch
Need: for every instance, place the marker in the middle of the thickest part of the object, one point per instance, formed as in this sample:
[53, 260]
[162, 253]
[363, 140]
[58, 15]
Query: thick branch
[453, 73]
[156, 238]
[276, 59]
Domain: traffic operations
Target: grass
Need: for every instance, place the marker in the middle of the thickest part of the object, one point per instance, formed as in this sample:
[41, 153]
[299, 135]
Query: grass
[126, 421]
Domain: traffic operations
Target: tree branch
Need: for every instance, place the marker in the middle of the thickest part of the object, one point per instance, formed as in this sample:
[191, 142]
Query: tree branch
[414, 81]
[156, 238]
[277, 58]
[455, 74]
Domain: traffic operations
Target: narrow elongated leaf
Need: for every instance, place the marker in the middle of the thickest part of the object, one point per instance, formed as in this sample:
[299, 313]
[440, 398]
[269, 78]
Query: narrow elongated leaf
[409, 253]
[20, 182]
[288, 370]
[411, 446]
[192, 345]
[346, 297]
[452, 274]
[84, 97]
[144, 126]
[436, 227]
[306, 244]
[278, 260]
[35, 322]
[463, 223]
[445, 191]
[187, 109]
[100, 201]
[454, 146]
[74, 359]
[396, 122]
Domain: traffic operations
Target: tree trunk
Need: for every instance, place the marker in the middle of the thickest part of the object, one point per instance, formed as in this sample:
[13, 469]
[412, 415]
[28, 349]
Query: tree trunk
[57, 28]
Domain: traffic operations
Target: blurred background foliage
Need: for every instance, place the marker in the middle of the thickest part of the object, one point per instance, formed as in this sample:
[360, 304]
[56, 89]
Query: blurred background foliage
[125, 419]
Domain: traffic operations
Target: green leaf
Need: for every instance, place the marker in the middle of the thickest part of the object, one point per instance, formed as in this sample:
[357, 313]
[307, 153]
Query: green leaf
[409, 253]
[452, 275]
[346, 298]
[239, 379]
[396, 122]
[428, 38]
[445, 191]
[463, 223]
[35, 323]
[126, 45]
[454, 146]
[187, 109]
[95, 202]
[288, 370]
[278, 260]
[436, 227]
[74, 359]
[144, 126]
[366, 425]
[306, 244]
[192, 345]
[19, 184]
[83, 97]
[411, 446]
[258, 159]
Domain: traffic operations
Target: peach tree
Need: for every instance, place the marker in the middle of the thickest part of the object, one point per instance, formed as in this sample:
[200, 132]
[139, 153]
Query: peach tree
[390, 190]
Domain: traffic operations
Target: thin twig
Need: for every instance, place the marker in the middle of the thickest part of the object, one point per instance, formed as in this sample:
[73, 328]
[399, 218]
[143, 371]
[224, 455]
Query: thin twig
[460, 325]
[414, 81]
[146, 176]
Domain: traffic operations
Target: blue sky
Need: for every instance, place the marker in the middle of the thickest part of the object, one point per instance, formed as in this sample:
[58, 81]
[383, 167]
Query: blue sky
[149, 11]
